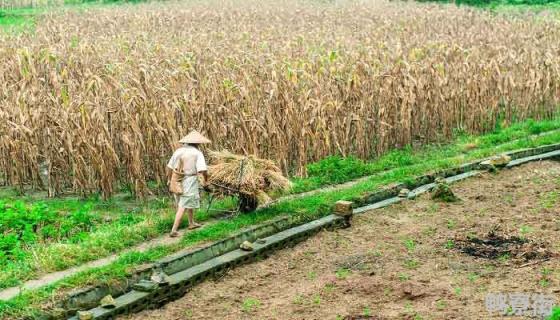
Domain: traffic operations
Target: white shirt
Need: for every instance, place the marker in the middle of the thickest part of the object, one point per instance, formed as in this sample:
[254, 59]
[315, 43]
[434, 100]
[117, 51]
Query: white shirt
[193, 160]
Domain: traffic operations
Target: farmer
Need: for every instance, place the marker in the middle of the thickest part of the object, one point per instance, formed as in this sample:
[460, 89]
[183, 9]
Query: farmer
[188, 160]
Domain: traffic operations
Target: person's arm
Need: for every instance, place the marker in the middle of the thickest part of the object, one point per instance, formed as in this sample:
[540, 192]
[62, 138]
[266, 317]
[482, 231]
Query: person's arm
[201, 167]
[204, 176]
[171, 165]
[169, 173]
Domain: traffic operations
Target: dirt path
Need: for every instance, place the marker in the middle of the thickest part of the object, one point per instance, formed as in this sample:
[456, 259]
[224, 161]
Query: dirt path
[401, 262]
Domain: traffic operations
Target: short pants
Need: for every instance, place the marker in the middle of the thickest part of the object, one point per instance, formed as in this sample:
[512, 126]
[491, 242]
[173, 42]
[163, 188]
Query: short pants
[190, 199]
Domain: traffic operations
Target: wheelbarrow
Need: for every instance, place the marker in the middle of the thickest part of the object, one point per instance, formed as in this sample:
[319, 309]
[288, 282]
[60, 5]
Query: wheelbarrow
[245, 202]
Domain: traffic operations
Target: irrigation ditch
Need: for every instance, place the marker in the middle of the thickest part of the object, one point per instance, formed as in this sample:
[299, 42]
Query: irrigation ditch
[180, 272]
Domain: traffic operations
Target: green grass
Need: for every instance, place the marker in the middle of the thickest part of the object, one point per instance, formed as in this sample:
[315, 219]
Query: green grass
[40, 236]
[555, 314]
[18, 19]
[506, 5]
[494, 3]
[157, 216]
[250, 304]
[336, 169]
[24, 19]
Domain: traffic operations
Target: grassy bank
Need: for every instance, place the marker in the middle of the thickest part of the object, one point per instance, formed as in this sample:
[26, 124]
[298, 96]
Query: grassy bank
[396, 166]
[42, 236]
[336, 169]
[24, 19]
[18, 19]
[534, 5]
[484, 3]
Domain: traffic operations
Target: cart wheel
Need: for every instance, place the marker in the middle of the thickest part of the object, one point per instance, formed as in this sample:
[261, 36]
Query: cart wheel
[247, 203]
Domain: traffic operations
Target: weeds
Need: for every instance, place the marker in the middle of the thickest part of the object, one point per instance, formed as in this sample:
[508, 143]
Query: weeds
[472, 277]
[342, 273]
[449, 244]
[403, 276]
[451, 224]
[441, 305]
[250, 304]
[525, 230]
[22, 226]
[411, 263]
[312, 275]
[549, 200]
[457, 291]
[545, 278]
[410, 245]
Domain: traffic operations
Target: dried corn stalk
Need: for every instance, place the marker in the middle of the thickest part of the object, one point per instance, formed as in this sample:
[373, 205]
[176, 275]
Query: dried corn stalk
[103, 97]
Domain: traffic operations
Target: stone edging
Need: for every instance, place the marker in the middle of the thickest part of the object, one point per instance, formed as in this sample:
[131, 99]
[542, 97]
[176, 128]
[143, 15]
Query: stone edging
[90, 297]
[180, 282]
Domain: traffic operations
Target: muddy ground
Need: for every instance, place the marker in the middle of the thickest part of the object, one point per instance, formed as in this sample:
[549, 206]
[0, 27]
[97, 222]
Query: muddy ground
[403, 262]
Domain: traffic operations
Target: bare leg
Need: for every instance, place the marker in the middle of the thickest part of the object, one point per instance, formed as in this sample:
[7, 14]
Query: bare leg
[178, 218]
[192, 224]
[190, 215]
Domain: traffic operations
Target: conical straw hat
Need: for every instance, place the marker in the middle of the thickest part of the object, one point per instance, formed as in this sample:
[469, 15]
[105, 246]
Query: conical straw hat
[194, 137]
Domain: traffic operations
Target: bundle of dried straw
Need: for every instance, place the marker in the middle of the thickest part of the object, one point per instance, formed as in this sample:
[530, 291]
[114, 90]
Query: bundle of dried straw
[245, 175]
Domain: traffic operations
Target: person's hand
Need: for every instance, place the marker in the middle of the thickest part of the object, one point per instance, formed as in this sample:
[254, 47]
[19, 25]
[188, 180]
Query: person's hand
[206, 187]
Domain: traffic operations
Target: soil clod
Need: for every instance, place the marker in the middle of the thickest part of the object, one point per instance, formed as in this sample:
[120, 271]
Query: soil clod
[442, 192]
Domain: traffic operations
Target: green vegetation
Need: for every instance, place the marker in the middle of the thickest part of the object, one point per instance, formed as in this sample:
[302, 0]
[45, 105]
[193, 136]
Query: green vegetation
[410, 245]
[507, 6]
[494, 3]
[107, 227]
[101, 1]
[473, 276]
[555, 314]
[403, 276]
[23, 19]
[22, 226]
[411, 263]
[449, 244]
[342, 273]
[250, 304]
[18, 19]
[545, 279]
[337, 169]
[441, 304]
[55, 234]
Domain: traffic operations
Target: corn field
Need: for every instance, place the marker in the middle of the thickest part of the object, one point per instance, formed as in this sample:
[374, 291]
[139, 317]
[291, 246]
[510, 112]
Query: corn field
[94, 100]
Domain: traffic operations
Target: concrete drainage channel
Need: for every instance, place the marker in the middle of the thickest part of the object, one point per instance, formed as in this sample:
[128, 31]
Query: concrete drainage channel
[183, 271]
[90, 297]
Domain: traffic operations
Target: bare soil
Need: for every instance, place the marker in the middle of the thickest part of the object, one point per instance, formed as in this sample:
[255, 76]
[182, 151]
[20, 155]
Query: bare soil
[406, 261]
